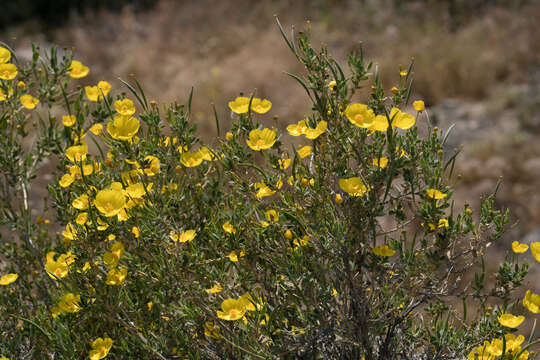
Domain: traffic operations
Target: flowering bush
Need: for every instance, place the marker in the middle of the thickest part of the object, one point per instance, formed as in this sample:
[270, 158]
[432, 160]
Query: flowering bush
[348, 246]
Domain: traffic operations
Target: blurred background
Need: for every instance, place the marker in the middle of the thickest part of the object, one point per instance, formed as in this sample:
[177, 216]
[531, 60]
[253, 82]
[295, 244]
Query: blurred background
[477, 65]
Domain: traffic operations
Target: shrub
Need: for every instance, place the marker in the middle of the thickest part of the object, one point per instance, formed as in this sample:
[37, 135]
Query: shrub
[346, 247]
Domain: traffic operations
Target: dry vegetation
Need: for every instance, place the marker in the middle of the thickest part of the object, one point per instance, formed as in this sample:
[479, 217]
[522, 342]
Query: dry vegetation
[220, 47]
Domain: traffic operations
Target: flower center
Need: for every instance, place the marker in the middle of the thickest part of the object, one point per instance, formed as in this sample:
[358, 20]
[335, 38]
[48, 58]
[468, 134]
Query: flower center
[358, 118]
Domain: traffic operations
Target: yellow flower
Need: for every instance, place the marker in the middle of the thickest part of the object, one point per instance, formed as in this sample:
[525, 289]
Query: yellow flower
[312, 134]
[29, 102]
[519, 248]
[442, 223]
[382, 162]
[7, 279]
[102, 226]
[284, 163]
[494, 348]
[332, 85]
[77, 153]
[339, 199]
[418, 105]
[217, 288]
[110, 202]
[123, 215]
[189, 159]
[95, 93]
[228, 228]
[305, 151]
[251, 304]
[70, 303]
[298, 129]
[301, 242]
[229, 136]
[123, 127]
[100, 348]
[81, 203]
[430, 226]
[96, 129]
[104, 88]
[435, 194]
[136, 232]
[383, 250]
[116, 276]
[240, 105]
[174, 236]
[137, 190]
[3, 94]
[401, 119]
[8, 71]
[360, 115]
[535, 250]
[92, 93]
[380, 123]
[288, 234]
[81, 219]
[235, 257]
[353, 186]
[21, 85]
[58, 268]
[112, 258]
[513, 343]
[124, 107]
[5, 55]
[87, 169]
[480, 353]
[211, 330]
[207, 154]
[69, 120]
[66, 180]
[261, 139]
[185, 236]
[77, 70]
[532, 302]
[263, 190]
[69, 234]
[510, 320]
[272, 215]
[260, 106]
[232, 309]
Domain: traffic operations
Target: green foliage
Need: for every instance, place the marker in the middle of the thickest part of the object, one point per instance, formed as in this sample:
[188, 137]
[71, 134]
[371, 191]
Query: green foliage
[315, 281]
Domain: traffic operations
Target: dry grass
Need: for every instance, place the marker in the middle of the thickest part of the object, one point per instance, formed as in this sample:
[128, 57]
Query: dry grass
[226, 47]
